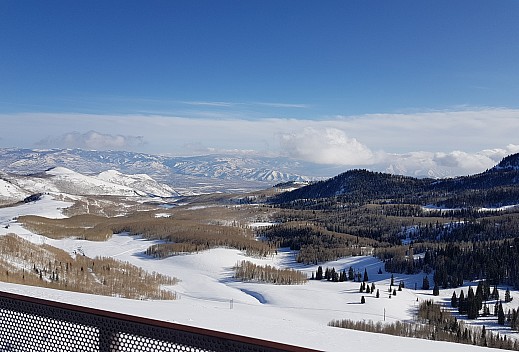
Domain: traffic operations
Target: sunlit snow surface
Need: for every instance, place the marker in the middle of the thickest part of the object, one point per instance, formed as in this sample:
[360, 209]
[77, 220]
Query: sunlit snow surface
[290, 314]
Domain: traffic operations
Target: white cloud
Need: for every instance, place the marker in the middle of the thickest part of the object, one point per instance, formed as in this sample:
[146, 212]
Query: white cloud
[325, 146]
[440, 164]
[427, 143]
[92, 140]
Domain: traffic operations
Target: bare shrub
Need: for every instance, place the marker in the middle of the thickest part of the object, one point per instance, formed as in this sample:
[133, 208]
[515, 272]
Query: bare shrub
[23, 262]
[248, 271]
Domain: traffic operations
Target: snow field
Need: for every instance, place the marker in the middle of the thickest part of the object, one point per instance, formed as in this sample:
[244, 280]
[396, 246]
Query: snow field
[209, 297]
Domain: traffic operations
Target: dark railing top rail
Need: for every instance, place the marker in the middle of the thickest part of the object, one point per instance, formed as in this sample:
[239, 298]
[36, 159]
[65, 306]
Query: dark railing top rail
[141, 321]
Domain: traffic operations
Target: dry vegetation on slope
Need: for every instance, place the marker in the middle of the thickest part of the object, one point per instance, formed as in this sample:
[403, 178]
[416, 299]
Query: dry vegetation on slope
[183, 229]
[23, 262]
[247, 271]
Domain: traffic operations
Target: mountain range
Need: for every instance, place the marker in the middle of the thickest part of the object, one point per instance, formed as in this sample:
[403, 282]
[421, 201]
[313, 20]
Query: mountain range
[495, 187]
[201, 174]
[15, 188]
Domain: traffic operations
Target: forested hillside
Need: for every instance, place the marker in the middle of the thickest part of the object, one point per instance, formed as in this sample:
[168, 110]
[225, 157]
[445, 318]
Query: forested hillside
[492, 188]
[465, 228]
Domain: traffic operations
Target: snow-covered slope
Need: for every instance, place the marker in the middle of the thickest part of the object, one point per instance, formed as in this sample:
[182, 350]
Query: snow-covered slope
[140, 182]
[63, 180]
[296, 315]
[71, 182]
[10, 192]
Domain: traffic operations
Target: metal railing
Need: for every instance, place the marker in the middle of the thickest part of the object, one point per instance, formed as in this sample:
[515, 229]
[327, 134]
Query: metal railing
[35, 325]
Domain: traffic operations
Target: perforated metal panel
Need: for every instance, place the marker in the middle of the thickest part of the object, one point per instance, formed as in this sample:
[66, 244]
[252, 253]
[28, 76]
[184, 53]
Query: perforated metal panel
[32, 325]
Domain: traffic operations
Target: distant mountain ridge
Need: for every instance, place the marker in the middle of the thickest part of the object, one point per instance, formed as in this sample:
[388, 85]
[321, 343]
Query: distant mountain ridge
[14, 188]
[238, 169]
[495, 187]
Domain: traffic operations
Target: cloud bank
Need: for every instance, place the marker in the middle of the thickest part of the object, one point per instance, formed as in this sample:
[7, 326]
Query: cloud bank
[325, 146]
[91, 140]
[436, 143]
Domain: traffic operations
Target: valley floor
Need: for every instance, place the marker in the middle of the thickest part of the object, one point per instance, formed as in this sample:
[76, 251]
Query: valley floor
[209, 297]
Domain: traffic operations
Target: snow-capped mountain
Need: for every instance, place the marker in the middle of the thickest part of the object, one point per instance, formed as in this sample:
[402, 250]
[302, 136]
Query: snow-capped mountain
[15, 188]
[139, 182]
[171, 170]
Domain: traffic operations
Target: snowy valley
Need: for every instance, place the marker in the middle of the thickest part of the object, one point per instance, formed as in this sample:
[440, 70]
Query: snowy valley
[207, 293]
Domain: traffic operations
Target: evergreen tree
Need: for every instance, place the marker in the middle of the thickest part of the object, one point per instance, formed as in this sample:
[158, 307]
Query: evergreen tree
[486, 290]
[365, 279]
[500, 315]
[508, 298]
[486, 311]
[436, 290]
[361, 287]
[514, 321]
[461, 303]
[472, 305]
[334, 276]
[368, 289]
[425, 284]
[362, 300]
[372, 287]
[394, 292]
[343, 276]
[327, 274]
[351, 274]
[392, 280]
[319, 274]
[454, 300]
[378, 294]
[400, 285]
[495, 293]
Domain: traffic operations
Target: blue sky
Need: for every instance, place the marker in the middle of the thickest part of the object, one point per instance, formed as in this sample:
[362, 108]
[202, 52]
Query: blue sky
[356, 68]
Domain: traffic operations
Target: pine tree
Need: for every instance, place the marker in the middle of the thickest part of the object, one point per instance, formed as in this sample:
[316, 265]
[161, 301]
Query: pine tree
[436, 290]
[472, 304]
[508, 298]
[342, 276]
[361, 287]
[394, 292]
[351, 274]
[425, 284]
[319, 274]
[365, 279]
[372, 287]
[362, 300]
[500, 315]
[378, 294]
[495, 293]
[462, 304]
[392, 280]
[454, 300]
